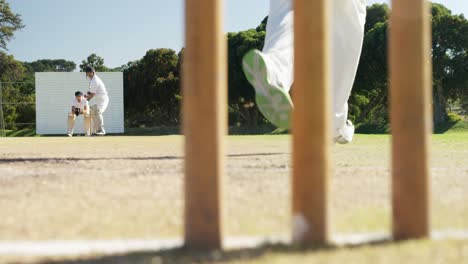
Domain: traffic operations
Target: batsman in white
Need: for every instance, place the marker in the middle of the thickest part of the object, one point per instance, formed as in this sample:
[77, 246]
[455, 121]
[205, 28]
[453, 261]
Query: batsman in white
[271, 71]
[98, 93]
[79, 106]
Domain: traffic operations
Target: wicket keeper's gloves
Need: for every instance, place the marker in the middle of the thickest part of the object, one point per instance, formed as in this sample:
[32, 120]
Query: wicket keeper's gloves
[77, 111]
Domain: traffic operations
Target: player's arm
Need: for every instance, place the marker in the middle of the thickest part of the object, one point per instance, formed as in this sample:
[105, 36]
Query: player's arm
[90, 95]
[93, 86]
[73, 109]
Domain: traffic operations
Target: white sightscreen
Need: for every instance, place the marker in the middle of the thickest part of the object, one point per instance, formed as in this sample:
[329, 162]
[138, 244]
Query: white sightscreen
[55, 91]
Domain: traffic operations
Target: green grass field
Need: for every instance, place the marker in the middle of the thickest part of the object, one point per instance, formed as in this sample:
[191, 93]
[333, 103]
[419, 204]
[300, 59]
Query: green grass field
[131, 187]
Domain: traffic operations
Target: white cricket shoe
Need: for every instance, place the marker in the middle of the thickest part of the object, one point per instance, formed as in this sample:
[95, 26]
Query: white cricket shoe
[101, 133]
[272, 100]
[346, 134]
[69, 135]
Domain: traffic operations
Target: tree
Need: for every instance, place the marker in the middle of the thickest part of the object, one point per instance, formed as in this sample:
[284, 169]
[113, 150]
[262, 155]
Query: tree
[119, 69]
[263, 25]
[50, 66]
[368, 102]
[9, 23]
[369, 98]
[377, 13]
[96, 62]
[11, 70]
[152, 89]
[242, 107]
[450, 60]
[14, 71]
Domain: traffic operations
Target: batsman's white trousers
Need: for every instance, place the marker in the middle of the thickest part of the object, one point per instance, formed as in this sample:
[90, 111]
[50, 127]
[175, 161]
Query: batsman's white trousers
[347, 32]
[98, 107]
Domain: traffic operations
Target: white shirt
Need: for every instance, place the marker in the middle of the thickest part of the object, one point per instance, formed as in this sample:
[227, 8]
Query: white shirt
[97, 87]
[81, 104]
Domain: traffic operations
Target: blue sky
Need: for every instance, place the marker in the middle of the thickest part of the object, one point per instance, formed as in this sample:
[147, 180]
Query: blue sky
[122, 30]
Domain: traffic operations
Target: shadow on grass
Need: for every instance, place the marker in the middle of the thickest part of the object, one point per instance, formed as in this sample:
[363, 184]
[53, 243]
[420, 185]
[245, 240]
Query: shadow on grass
[451, 126]
[264, 129]
[161, 131]
[182, 256]
[21, 133]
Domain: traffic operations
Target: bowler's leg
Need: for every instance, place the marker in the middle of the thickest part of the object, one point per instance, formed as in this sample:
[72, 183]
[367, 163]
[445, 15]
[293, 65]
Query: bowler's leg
[279, 43]
[270, 72]
[348, 19]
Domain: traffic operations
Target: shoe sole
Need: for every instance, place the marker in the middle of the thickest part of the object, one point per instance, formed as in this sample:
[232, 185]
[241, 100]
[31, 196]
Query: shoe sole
[272, 101]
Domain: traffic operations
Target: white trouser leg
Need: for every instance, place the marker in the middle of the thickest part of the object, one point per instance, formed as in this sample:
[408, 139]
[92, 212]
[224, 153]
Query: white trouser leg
[96, 115]
[348, 18]
[87, 123]
[97, 118]
[279, 44]
[71, 123]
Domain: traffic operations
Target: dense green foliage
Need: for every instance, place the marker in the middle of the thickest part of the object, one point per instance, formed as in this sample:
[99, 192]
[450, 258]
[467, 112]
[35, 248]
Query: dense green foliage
[368, 102]
[152, 89]
[9, 23]
[450, 60]
[94, 61]
[152, 84]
